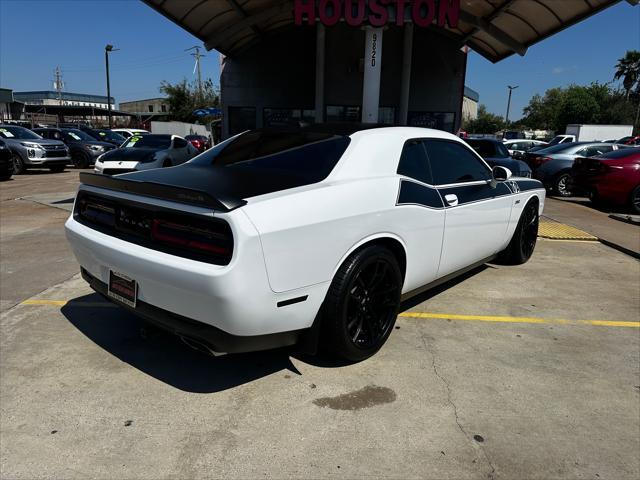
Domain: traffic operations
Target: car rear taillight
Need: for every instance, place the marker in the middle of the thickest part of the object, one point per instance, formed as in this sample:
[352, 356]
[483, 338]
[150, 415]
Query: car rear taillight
[182, 235]
[539, 161]
[186, 235]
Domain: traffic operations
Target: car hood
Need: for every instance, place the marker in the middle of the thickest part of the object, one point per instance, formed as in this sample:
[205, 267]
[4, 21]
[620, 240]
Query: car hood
[39, 141]
[97, 143]
[129, 155]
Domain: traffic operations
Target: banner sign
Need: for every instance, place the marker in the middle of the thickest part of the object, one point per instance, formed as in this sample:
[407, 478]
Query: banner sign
[378, 13]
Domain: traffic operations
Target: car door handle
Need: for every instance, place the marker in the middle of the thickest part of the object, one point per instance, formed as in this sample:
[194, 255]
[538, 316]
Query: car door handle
[451, 199]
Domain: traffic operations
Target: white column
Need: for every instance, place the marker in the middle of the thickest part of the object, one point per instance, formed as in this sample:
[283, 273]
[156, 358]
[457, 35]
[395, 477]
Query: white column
[320, 52]
[405, 82]
[372, 68]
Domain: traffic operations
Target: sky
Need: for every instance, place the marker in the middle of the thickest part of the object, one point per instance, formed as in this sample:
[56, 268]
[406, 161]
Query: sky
[36, 36]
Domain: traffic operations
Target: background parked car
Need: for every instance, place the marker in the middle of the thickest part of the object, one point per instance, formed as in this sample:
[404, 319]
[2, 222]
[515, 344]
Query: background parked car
[201, 142]
[146, 152]
[104, 135]
[129, 132]
[30, 150]
[6, 165]
[83, 147]
[610, 178]
[517, 148]
[552, 165]
[496, 154]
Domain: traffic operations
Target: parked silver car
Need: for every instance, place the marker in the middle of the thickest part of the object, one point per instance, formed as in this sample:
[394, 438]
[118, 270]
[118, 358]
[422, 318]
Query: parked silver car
[552, 165]
[30, 150]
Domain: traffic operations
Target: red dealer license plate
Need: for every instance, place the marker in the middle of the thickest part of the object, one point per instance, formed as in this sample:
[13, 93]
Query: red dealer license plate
[122, 288]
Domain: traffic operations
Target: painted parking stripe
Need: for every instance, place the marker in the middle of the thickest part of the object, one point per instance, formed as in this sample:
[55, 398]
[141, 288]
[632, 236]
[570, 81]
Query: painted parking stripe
[503, 319]
[430, 316]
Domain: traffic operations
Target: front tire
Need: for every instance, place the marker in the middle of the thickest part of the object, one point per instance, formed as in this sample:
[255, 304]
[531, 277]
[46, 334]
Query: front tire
[81, 160]
[635, 200]
[524, 239]
[18, 164]
[362, 304]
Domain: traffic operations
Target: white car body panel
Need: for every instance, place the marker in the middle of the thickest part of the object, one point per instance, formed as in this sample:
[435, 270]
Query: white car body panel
[290, 243]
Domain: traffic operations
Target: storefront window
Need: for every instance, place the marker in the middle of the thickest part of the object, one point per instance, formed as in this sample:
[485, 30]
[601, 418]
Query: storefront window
[343, 113]
[438, 120]
[286, 117]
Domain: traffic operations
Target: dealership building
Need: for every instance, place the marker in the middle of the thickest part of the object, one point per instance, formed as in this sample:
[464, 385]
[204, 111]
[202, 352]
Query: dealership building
[399, 62]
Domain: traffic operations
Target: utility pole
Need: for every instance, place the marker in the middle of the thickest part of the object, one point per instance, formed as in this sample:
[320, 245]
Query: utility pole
[197, 56]
[107, 49]
[506, 120]
[57, 83]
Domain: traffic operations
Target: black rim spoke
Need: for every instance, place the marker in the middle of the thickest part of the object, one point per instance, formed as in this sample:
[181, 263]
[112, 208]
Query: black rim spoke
[372, 304]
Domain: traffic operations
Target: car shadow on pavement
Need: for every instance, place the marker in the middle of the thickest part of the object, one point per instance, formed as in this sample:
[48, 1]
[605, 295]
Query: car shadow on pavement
[164, 356]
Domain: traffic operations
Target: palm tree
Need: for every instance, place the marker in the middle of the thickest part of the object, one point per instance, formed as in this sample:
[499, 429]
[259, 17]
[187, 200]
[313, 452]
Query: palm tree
[628, 68]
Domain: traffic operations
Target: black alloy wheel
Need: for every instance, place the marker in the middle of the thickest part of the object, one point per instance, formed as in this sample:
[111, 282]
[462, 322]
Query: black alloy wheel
[529, 226]
[523, 242]
[362, 303]
[562, 187]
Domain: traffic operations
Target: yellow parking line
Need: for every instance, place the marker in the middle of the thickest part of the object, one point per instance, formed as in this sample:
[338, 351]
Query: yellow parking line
[435, 316]
[504, 319]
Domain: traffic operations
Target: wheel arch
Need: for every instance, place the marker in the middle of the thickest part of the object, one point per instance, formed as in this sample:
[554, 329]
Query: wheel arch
[386, 239]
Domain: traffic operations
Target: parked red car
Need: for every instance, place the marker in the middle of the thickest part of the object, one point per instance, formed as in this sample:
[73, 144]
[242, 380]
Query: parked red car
[612, 178]
[201, 142]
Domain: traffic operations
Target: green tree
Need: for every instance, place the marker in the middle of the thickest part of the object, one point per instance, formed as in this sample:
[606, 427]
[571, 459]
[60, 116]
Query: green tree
[578, 106]
[183, 98]
[485, 122]
[628, 69]
[543, 112]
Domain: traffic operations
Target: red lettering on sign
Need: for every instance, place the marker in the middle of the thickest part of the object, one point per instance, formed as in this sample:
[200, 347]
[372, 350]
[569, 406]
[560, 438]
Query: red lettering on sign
[379, 13]
[400, 12]
[449, 13]
[307, 8]
[330, 18]
[418, 19]
[348, 13]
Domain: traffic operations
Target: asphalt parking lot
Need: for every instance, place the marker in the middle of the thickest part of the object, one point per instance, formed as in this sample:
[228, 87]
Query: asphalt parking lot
[509, 372]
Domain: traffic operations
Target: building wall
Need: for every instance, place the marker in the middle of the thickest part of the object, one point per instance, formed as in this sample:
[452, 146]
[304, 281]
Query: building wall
[145, 107]
[275, 80]
[469, 109]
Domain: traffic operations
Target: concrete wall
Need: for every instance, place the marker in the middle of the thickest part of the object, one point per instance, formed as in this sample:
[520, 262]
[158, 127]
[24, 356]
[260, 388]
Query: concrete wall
[142, 106]
[279, 72]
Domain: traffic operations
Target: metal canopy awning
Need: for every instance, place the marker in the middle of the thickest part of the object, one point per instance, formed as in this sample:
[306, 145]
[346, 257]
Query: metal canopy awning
[495, 29]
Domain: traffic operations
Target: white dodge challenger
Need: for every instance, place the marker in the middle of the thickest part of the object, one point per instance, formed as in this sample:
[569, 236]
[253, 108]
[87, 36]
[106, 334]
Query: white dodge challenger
[310, 236]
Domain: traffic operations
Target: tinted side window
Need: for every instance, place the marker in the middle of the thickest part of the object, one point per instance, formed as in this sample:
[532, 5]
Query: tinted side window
[452, 162]
[413, 162]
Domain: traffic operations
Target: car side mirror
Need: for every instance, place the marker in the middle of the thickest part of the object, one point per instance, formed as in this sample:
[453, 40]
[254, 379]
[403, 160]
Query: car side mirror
[501, 174]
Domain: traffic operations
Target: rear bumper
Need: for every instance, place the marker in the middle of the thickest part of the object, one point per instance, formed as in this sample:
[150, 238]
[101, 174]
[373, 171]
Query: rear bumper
[234, 298]
[211, 337]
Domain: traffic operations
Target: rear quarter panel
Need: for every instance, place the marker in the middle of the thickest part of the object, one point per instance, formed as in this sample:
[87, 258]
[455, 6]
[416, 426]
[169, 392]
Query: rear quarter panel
[307, 233]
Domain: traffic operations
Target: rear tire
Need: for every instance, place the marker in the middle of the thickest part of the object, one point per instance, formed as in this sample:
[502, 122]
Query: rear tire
[56, 168]
[560, 187]
[18, 164]
[524, 239]
[362, 304]
[635, 200]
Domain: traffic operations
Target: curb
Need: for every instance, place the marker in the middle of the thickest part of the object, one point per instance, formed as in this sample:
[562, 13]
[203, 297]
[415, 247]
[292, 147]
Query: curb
[620, 248]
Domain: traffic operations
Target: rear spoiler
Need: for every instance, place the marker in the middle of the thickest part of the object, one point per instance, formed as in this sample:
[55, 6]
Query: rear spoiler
[162, 191]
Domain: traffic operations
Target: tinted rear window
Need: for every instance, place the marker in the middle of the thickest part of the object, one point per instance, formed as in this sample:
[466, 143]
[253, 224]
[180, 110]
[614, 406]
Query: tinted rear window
[311, 155]
[149, 141]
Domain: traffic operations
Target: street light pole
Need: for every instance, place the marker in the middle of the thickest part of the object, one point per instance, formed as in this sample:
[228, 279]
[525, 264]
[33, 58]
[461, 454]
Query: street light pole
[506, 120]
[107, 49]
